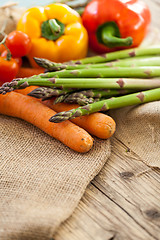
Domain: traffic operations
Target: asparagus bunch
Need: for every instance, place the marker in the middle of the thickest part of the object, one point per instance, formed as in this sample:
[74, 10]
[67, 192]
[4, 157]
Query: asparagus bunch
[112, 103]
[97, 82]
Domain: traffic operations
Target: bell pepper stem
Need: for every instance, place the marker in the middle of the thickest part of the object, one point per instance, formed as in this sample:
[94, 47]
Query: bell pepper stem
[54, 26]
[109, 35]
[52, 29]
[111, 41]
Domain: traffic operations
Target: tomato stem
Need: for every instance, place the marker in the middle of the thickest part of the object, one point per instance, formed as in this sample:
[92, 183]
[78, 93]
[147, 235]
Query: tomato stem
[9, 55]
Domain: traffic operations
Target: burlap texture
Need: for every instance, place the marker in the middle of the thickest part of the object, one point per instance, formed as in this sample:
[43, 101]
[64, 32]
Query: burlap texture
[139, 128]
[41, 180]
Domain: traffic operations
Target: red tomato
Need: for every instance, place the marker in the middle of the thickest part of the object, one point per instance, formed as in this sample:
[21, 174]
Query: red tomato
[8, 70]
[18, 43]
[18, 59]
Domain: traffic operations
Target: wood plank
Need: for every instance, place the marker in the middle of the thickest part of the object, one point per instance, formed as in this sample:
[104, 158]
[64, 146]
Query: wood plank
[122, 202]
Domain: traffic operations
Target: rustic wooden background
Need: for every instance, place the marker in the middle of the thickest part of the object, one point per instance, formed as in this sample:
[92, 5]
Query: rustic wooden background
[123, 201]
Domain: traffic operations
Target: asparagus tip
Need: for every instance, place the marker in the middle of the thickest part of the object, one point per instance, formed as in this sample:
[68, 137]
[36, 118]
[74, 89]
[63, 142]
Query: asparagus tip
[49, 65]
[7, 87]
[60, 117]
[56, 119]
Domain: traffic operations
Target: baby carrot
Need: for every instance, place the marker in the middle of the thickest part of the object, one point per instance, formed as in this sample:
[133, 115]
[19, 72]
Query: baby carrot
[97, 124]
[29, 109]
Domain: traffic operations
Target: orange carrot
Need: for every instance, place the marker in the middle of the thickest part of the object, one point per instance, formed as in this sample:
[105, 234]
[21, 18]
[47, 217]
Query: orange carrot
[29, 109]
[97, 124]
[28, 72]
[27, 90]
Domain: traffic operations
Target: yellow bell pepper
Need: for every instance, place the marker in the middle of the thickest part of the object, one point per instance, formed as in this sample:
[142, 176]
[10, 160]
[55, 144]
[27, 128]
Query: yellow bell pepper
[56, 32]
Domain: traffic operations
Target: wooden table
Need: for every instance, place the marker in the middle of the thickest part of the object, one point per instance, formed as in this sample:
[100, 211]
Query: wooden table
[123, 201]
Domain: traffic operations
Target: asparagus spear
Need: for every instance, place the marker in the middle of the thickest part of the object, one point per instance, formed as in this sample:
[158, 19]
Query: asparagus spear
[82, 83]
[92, 95]
[128, 62]
[112, 103]
[47, 92]
[107, 57]
[134, 72]
[49, 65]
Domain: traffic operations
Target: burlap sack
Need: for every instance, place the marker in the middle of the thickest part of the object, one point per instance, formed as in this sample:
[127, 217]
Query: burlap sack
[138, 127]
[41, 180]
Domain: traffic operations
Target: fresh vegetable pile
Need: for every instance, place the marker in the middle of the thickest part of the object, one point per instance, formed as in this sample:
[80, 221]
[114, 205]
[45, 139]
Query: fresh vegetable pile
[96, 88]
[75, 87]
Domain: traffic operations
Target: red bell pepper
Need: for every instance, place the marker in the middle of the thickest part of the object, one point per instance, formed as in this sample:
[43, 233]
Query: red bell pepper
[116, 24]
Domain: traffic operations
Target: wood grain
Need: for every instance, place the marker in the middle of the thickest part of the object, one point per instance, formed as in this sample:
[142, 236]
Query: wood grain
[123, 201]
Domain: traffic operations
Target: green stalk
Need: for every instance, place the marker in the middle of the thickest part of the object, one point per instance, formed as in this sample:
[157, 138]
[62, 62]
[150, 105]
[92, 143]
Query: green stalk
[128, 62]
[107, 57]
[112, 103]
[83, 83]
[134, 72]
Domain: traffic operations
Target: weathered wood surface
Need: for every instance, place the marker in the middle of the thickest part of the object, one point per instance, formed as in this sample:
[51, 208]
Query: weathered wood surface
[123, 201]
